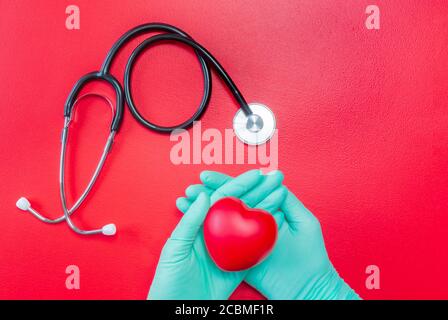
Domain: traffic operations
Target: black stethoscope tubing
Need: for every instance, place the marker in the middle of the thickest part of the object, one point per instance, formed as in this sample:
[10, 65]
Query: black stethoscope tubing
[171, 33]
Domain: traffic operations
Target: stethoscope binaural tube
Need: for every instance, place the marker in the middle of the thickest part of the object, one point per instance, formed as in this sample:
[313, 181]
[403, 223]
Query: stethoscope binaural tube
[170, 33]
[25, 205]
[108, 229]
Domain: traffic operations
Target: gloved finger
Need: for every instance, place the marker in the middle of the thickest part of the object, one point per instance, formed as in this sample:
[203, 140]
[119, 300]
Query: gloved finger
[279, 219]
[237, 187]
[272, 180]
[188, 227]
[268, 184]
[274, 200]
[214, 179]
[252, 198]
[183, 204]
[272, 203]
[194, 190]
[294, 210]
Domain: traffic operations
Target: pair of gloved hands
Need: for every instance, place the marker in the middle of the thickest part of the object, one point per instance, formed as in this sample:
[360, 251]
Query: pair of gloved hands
[297, 268]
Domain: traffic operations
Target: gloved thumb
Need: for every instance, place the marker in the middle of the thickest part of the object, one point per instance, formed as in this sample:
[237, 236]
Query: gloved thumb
[295, 212]
[188, 227]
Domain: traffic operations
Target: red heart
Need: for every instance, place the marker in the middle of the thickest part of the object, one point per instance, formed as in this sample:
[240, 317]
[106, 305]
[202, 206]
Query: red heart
[238, 237]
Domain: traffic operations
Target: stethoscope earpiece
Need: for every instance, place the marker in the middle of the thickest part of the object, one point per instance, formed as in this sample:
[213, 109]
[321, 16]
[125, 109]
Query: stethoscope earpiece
[109, 229]
[23, 204]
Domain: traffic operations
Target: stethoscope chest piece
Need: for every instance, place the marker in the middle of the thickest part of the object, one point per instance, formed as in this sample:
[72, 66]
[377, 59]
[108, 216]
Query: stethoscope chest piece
[256, 128]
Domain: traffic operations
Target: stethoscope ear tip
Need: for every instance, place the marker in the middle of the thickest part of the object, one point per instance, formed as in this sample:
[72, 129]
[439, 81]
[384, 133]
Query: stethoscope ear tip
[109, 229]
[23, 204]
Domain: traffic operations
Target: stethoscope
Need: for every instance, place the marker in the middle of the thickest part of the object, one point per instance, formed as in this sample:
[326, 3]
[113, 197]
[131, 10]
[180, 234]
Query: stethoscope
[254, 123]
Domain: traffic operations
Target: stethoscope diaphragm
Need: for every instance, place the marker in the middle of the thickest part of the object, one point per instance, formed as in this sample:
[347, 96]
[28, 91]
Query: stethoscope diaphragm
[256, 128]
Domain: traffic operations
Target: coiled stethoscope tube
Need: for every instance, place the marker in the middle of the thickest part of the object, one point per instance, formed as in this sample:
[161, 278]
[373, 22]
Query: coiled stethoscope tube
[252, 127]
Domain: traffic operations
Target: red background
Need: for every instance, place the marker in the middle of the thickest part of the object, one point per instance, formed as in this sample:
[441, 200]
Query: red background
[362, 118]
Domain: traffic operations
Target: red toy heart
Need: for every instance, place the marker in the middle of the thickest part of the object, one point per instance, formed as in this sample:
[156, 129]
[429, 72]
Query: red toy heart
[238, 237]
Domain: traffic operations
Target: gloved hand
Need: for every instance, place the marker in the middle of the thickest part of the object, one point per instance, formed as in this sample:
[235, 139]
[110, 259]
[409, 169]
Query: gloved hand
[298, 267]
[185, 270]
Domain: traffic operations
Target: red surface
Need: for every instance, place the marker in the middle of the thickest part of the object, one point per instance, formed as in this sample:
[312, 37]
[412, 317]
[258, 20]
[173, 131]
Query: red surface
[238, 237]
[362, 119]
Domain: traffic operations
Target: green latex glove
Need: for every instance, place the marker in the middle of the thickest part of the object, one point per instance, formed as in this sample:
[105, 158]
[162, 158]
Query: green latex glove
[185, 270]
[298, 267]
